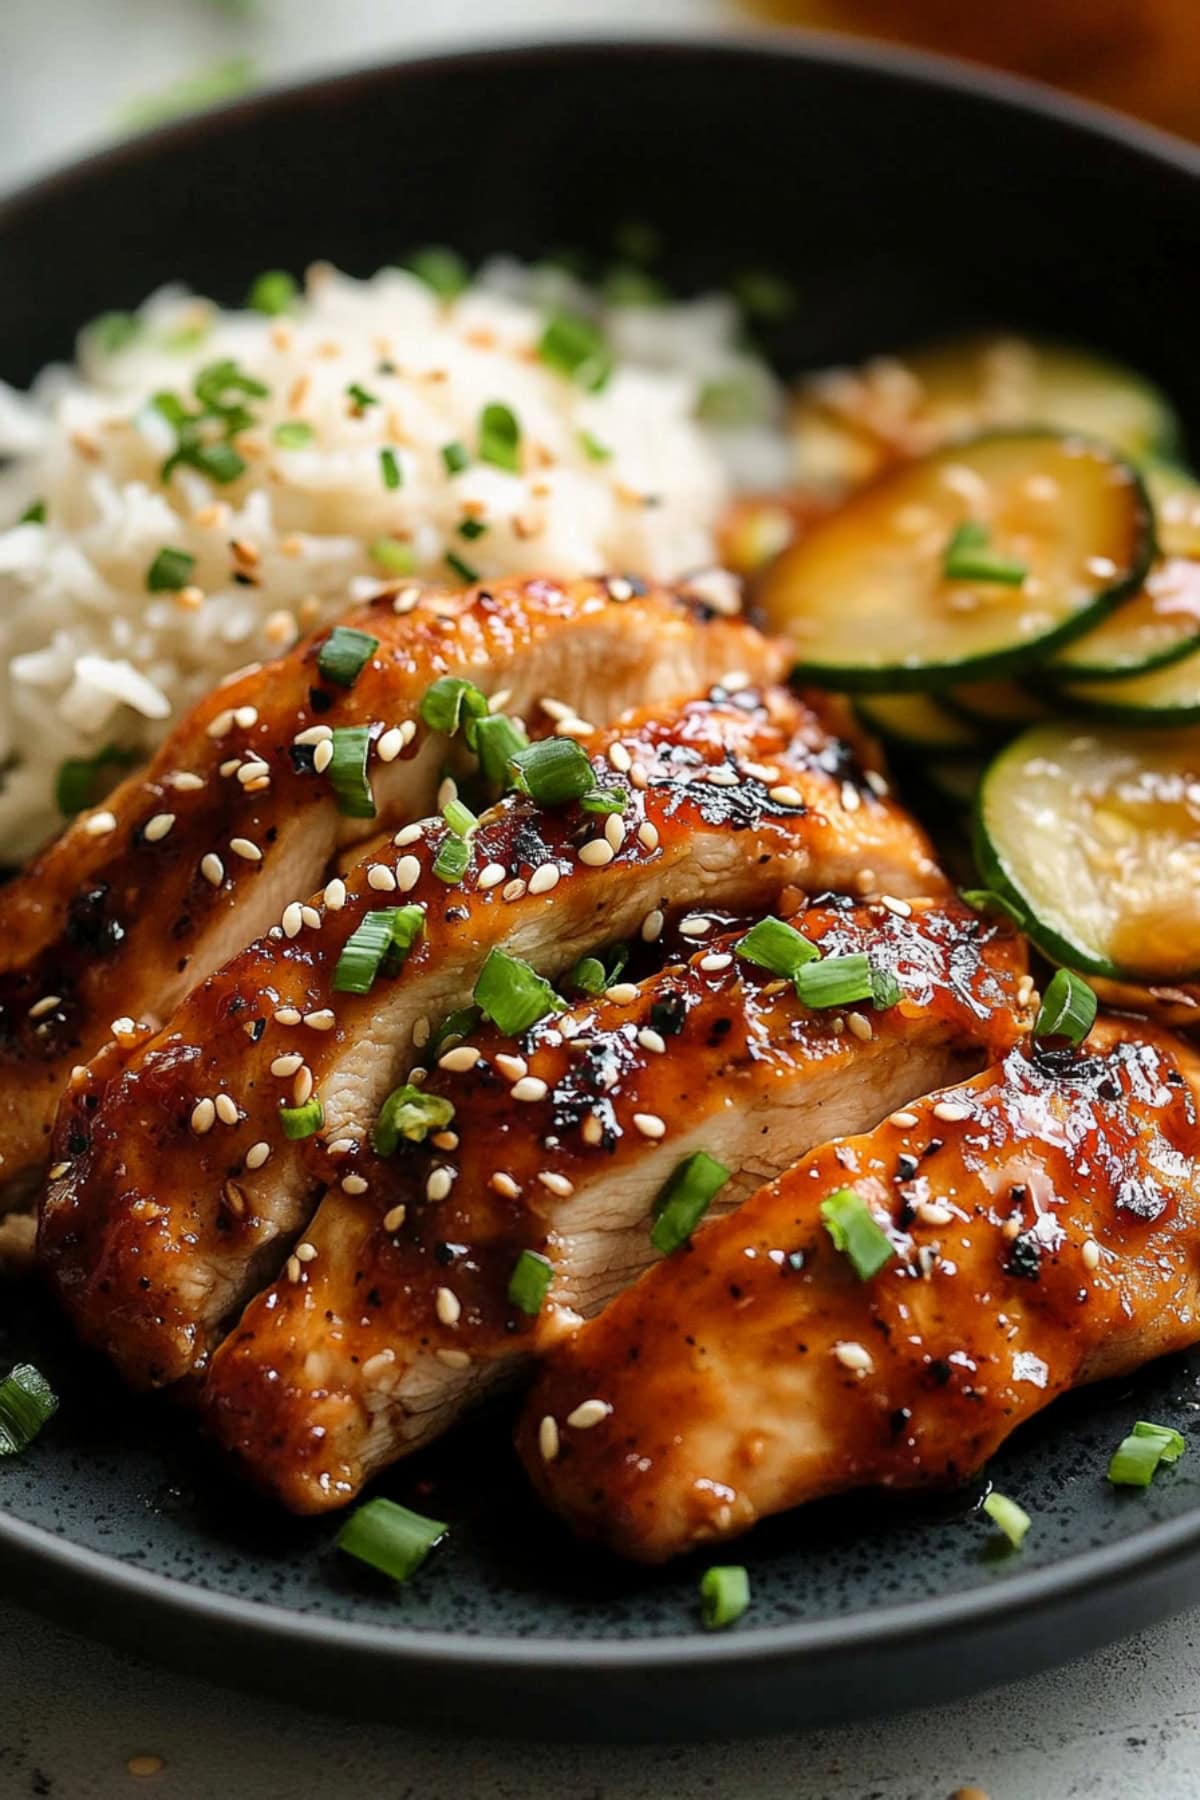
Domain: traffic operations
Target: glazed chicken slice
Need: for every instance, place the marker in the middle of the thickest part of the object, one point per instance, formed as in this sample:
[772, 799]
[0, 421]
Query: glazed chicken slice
[395, 1309]
[194, 857]
[1043, 1221]
[174, 1187]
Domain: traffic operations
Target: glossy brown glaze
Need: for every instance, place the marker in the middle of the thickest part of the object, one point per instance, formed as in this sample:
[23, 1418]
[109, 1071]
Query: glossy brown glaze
[114, 920]
[1045, 1239]
[559, 1144]
[155, 1223]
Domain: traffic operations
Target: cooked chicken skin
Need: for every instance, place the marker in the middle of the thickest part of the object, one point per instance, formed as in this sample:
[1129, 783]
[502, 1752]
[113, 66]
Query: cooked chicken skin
[1044, 1220]
[172, 1182]
[385, 1324]
[195, 856]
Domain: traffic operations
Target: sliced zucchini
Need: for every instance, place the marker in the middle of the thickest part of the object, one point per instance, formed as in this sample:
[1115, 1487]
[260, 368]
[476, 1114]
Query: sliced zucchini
[1164, 697]
[995, 706]
[1095, 838]
[849, 424]
[917, 722]
[1060, 531]
[1176, 497]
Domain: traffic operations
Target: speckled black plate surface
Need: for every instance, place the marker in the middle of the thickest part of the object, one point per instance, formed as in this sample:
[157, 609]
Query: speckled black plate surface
[903, 197]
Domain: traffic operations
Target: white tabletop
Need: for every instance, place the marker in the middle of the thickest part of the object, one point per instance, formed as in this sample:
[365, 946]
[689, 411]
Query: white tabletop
[1123, 1725]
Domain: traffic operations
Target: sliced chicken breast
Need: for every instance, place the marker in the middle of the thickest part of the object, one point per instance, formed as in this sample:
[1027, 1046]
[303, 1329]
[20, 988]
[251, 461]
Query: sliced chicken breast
[174, 1182]
[195, 856]
[395, 1310]
[1043, 1221]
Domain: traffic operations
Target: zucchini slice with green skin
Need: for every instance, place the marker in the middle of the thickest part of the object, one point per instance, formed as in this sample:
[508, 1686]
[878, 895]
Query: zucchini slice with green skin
[1095, 838]
[996, 706]
[1160, 699]
[849, 424]
[867, 603]
[917, 722]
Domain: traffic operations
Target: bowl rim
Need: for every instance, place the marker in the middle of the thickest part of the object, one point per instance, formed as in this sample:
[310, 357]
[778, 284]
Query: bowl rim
[1158, 1546]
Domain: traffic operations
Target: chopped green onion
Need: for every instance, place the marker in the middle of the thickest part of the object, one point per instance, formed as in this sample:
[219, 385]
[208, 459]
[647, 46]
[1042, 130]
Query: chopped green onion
[345, 654]
[497, 741]
[170, 571]
[395, 557]
[461, 567]
[984, 900]
[776, 946]
[218, 382]
[605, 801]
[273, 293]
[26, 1402]
[1136, 1458]
[472, 529]
[730, 400]
[530, 1281]
[1010, 1518]
[512, 995]
[441, 269]
[80, 782]
[967, 558]
[761, 294]
[302, 1121]
[576, 348]
[451, 702]
[1068, 1009]
[593, 449]
[456, 456]
[626, 286]
[293, 434]
[835, 980]
[409, 1113]
[500, 437]
[885, 989]
[220, 462]
[461, 820]
[684, 1199]
[724, 1596]
[553, 771]
[34, 514]
[378, 944]
[348, 771]
[390, 1538]
[454, 1027]
[389, 468]
[362, 397]
[113, 331]
[453, 859]
[592, 976]
[848, 1220]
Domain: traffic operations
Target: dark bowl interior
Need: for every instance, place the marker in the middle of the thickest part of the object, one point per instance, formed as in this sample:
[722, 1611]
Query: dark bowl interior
[903, 199]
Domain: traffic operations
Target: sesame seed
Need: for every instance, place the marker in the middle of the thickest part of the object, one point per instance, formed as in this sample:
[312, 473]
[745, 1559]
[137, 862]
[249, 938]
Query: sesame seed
[544, 878]
[905, 1120]
[513, 890]
[406, 599]
[620, 758]
[323, 755]
[292, 1268]
[652, 926]
[785, 795]
[652, 1041]
[715, 961]
[231, 767]
[877, 783]
[408, 873]
[422, 1031]
[123, 1026]
[1091, 1254]
[287, 1015]
[204, 1115]
[378, 1365]
[614, 830]
[453, 1359]
[45, 1005]
[353, 1184]
[860, 1025]
[695, 926]
[460, 1059]
[99, 824]
[408, 731]
[157, 828]
[650, 1125]
[952, 1111]
[255, 770]
[234, 1199]
[302, 1087]
[587, 1414]
[445, 1140]
[58, 1170]
[287, 1065]
[335, 894]
[449, 1308]
[596, 853]
[490, 876]
[439, 1184]
[1024, 990]
[408, 834]
[734, 680]
[226, 1109]
[930, 1213]
[221, 726]
[245, 849]
[529, 1088]
[592, 1129]
[447, 791]
[306, 1252]
[315, 734]
[721, 775]
[764, 772]
[380, 877]
[504, 1185]
[557, 1184]
[342, 1146]
[511, 1067]
[901, 908]
[321, 1020]
[622, 993]
[390, 745]
[555, 709]
[246, 716]
[393, 1220]
[854, 1356]
[212, 869]
[851, 799]
[548, 1439]
[292, 919]
[648, 835]
[257, 1155]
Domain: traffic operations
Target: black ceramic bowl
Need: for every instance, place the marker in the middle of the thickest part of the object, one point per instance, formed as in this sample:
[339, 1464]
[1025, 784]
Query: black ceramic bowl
[904, 197]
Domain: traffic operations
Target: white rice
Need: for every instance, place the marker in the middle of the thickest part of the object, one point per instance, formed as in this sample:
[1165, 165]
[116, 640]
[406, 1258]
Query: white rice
[91, 658]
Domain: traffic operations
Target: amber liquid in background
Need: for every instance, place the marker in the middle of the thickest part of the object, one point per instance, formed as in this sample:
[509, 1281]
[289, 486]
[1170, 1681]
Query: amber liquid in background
[1142, 56]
